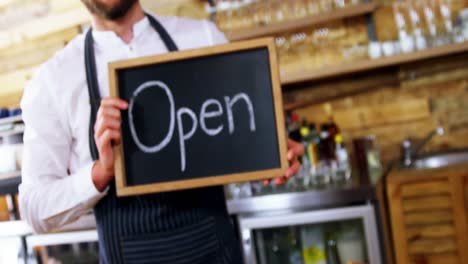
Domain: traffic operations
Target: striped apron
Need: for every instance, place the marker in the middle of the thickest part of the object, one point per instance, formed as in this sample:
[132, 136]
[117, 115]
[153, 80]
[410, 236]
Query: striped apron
[190, 226]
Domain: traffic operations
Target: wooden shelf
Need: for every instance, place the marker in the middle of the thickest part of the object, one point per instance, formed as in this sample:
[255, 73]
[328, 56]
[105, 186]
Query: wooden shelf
[359, 66]
[274, 29]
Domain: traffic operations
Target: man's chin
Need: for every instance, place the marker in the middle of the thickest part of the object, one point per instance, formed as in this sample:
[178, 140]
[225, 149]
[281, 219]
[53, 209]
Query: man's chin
[104, 10]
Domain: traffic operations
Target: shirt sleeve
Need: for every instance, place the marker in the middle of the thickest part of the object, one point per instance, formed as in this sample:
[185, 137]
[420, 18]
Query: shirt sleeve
[215, 36]
[50, 197]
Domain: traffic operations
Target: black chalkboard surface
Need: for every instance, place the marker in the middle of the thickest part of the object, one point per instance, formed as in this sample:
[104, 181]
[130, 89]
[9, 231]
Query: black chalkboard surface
[199, 118]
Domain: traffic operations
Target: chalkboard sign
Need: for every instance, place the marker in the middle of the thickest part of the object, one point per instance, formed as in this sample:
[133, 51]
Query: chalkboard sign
[199, 118]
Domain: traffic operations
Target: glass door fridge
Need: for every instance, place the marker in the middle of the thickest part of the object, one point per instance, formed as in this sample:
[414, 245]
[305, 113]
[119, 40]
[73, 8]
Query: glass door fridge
[330, 236]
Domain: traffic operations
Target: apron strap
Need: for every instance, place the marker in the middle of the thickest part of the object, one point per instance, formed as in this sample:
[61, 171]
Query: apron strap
[91, 76]
[166, 38]
[93, 90]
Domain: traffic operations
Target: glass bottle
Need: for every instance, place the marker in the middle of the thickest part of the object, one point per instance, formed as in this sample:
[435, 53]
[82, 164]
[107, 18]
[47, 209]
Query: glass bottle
[328, 146]
[295, 247]
[304, 173]
[322, 173]
[313, 244]
[351, 243]
[331, 250]
[342, 173]
[333, 130]
[373, 160]
[279, 246]
[310, 157]
[293, 128]
[315, 140]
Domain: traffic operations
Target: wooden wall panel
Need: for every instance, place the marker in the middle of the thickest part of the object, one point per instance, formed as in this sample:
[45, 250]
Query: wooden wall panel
[374, 115]
[406, 102]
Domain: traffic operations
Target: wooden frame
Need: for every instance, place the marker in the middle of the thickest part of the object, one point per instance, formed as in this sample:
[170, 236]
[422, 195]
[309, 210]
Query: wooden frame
[124, 190]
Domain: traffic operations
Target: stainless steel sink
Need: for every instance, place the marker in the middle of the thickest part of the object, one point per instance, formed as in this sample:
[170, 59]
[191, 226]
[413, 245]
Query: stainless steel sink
[441, 160]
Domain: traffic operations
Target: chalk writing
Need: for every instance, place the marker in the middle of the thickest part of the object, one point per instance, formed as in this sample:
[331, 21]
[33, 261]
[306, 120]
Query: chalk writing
[178, 116]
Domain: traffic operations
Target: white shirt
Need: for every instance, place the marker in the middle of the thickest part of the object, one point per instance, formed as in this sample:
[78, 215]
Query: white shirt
[56, 184]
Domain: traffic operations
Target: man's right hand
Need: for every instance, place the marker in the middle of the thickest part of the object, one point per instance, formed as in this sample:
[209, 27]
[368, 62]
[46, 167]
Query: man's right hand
[107, 135]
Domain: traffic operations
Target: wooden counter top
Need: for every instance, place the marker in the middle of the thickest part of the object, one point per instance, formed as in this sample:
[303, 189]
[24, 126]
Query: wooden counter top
[413, 175]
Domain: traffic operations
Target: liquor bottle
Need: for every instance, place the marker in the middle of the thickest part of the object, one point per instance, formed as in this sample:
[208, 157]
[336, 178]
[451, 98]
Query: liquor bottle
[313, 246]
[343, 169]
[310, 158]
[309, 140]
[278, 246]
[327, 144]
[331, 250]
[304, 173]
[333, 130]
[312, 148]
[293, 128]
[295, 247]
[322, 173]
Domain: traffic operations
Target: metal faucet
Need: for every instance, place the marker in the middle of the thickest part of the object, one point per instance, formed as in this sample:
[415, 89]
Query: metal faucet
[409, 153]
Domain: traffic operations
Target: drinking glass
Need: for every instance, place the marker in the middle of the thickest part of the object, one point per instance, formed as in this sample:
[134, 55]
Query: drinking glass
[326, 5]
[239, 190]
[339, 4]
[287, 9]
[299, 8]
[245, 15]
[287, 59]
[321, 174]
[313, 7]
[276, 9]
[417, 24]
[401, 14]
[445, 7]
[261, 13]
[430, 12]
[221, 15]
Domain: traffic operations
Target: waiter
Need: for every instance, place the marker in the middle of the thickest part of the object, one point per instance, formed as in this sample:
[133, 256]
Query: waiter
[72, 125]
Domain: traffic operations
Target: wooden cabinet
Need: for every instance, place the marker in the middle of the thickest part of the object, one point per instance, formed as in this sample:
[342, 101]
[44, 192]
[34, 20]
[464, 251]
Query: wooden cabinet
[428, 212]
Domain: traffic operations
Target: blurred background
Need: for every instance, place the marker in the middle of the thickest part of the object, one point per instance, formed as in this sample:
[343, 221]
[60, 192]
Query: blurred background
[377, 91]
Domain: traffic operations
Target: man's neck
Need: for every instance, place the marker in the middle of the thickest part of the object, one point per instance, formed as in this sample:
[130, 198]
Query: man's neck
[123, 27]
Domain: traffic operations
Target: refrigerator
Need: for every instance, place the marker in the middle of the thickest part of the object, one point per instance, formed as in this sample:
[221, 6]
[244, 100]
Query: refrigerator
[326, 236]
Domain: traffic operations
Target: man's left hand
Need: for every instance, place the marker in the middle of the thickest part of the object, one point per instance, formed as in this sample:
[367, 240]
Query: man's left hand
[295, 150]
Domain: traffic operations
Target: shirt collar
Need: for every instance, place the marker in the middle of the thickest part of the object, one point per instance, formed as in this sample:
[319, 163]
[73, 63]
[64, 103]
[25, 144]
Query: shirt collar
[107, 37]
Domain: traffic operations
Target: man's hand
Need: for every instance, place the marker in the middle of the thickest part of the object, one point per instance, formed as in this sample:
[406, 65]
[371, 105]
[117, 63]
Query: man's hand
[295, 150]
[107, 135]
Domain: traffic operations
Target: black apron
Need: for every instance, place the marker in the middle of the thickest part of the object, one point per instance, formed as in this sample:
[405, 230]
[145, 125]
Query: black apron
[190, 226]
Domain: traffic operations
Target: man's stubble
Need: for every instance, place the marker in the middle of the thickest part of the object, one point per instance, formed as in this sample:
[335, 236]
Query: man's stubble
[110, 12]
